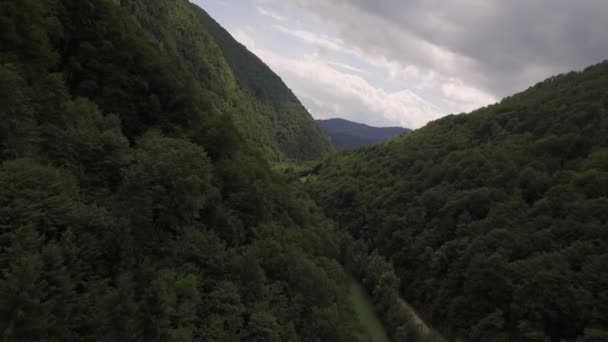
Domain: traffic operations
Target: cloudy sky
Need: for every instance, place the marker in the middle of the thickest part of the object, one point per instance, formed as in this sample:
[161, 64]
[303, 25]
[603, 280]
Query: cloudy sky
[397, 62]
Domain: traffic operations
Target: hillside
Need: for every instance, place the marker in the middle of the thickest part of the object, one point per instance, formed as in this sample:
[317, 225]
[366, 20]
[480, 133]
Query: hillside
[264, 110]
[131, 208]
[495, 221]
[291, 125]
[348, 135]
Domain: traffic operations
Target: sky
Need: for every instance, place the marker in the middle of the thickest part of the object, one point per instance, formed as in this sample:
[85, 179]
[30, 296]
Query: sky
[405, 63]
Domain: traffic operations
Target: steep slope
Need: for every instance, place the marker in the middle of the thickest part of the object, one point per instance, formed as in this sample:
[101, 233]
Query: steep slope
[293, 127]
[495, 221]
[130, 207]
[348, 135]
[266, 112]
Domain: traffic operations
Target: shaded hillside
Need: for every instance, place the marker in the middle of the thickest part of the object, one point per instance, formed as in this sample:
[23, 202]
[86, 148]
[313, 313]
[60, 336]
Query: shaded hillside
[348, 135]
[495, 221]
[290, 123]
[131, 209]
[265, 111]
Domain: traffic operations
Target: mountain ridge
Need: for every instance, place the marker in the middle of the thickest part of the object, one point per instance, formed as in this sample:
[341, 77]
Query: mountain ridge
[289, 116]
[348, 135]
[133, 205]
[264, 109]
[138, 203]
[494, 220]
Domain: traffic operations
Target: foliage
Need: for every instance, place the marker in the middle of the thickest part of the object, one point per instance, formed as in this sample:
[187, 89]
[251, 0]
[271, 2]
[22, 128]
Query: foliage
[374, 331]
[130, 207]
[264, 110]
[495, 221]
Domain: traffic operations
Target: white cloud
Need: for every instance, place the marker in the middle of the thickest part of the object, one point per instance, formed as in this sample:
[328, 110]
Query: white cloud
[271, 14]
[348, 67]
[459, 55]
[220, 2]
[406, 56]
[312, 77]
[321, 109]
[459, 95]
[313, 38]
[463, 97]
[495, 46]
[395, 69]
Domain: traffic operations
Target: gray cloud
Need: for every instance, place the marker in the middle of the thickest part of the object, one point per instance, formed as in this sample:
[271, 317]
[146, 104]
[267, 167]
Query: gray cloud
[329, 91]
[495, 45]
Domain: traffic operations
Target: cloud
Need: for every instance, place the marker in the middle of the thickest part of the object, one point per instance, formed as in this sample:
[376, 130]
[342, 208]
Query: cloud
[348, 67]
[271, 14]
[462, 97]
[224, 3]
[496, 47]
[454, 55]
[408, 62]
[244, 38]
[313, 38]
[323, 86]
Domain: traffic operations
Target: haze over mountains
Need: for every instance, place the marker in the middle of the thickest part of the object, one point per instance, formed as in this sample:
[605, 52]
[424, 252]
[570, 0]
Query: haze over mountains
[158, 182]
[348, 135]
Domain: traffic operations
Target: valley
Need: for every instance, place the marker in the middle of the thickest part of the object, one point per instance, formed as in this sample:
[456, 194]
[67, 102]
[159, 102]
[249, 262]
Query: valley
[160, 182]
[484, 216]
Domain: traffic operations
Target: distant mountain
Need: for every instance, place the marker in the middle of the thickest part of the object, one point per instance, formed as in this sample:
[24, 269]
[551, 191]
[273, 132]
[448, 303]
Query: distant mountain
[348, 135]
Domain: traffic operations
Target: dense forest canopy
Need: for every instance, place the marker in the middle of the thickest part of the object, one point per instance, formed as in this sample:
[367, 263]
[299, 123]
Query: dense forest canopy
[265, 111]
[496, 222]
[131, 206]
[280, 111]
[137, 201]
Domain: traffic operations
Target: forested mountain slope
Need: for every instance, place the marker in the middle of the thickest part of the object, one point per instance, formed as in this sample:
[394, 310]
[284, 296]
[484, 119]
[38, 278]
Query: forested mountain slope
[265, 111]
[497, 221]
[130, 207]
[297, 134]
[348, 135]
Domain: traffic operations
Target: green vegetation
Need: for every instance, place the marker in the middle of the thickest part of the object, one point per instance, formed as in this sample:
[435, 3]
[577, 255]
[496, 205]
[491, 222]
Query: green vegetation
[130, 207]
[495, 221]
[279, 112]
[374, 331]
[379, 280]
[264, 110]
[137, 202]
